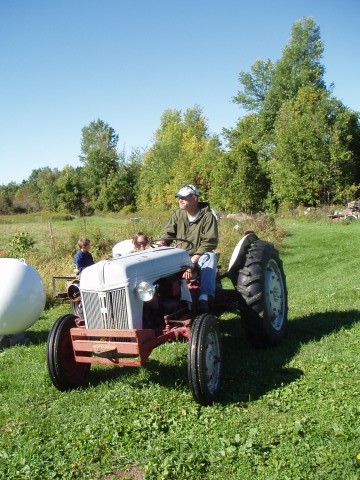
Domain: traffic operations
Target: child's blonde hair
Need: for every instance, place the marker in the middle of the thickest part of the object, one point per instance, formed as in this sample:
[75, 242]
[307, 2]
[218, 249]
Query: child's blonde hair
[83, 242]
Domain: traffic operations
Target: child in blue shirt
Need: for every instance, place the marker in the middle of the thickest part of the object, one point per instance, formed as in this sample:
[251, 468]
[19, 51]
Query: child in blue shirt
[83, 258]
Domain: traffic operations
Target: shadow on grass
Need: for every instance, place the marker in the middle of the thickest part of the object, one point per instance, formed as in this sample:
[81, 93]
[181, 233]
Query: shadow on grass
[154, 371]
[23, 338]
[248, 373]
[38, 337]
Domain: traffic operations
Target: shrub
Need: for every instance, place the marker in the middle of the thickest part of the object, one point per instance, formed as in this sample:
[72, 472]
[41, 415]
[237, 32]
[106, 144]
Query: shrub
[101, 244]
[20, 244]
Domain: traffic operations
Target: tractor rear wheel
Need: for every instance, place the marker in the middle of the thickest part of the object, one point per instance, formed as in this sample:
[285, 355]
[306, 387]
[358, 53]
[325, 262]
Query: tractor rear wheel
[262, 285]
[204, 359]
[64, 371]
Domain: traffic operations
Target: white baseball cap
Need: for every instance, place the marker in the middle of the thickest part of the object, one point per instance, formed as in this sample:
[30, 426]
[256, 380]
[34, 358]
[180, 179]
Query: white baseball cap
[186, 190]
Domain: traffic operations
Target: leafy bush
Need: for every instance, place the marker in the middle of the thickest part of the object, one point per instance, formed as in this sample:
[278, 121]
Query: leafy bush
[20, 244]
[101, 244]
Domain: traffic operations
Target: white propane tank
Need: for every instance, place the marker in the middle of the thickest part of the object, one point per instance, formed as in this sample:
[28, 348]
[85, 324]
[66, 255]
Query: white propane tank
[22, 296]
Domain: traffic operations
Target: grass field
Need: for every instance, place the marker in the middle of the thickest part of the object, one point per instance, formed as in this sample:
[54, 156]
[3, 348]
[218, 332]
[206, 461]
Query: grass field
[287, 413]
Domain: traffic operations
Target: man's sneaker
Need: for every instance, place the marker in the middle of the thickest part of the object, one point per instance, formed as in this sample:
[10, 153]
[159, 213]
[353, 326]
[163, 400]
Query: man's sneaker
[203, 306]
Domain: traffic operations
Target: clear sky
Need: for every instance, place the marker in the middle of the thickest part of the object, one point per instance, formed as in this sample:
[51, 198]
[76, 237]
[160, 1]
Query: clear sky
[65, 63]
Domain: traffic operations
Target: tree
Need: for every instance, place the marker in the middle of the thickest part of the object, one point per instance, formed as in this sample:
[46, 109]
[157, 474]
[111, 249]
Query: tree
[300, 63]
[299, 66]
[183, 152]
[98, 146]
[98, 135]
[255, 85]
[4, 207]
[269, 85]
[25, 199]
[312, 163]
[198, 154]
[7, 194]
[33, 187]
[120, 190]
[46, 183]
[306, 142]
[240, 173]
[159, 159]
[133, 170]
[71, 190]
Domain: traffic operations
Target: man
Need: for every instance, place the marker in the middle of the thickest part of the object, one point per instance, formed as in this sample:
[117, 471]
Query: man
[194, 221]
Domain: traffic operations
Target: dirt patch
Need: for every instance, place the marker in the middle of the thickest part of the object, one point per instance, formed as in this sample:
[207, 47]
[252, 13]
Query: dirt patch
[132, 473]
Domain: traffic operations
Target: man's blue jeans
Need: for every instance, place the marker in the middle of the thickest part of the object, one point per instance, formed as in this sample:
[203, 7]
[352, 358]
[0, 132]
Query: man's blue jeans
[208, 263]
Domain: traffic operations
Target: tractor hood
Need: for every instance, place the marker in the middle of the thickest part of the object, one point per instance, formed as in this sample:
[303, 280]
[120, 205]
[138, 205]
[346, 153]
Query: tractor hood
[147, 265]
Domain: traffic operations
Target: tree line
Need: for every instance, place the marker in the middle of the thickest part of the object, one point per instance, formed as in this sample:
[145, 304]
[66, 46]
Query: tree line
[295, 145]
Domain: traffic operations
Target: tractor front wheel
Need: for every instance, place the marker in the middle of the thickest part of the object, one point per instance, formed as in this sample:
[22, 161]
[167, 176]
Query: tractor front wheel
[64, 371]
[204, 359]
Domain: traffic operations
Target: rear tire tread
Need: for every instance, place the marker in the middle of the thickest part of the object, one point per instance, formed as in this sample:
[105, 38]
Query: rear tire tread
[257, 321]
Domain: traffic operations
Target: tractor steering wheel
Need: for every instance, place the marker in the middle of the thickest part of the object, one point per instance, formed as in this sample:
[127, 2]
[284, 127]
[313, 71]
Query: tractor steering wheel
[179, 241]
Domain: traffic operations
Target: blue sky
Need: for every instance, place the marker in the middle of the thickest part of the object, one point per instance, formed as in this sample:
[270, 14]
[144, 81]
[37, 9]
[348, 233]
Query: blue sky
[65, 63]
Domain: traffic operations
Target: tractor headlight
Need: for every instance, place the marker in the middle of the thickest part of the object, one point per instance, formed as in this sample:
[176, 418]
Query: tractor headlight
[145, 291]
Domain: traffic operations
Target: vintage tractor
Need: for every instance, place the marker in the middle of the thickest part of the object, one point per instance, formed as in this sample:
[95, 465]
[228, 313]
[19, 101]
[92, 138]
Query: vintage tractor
[130, 304]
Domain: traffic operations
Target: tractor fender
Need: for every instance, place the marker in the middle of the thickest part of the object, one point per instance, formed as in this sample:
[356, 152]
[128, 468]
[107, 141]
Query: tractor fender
[239, 254]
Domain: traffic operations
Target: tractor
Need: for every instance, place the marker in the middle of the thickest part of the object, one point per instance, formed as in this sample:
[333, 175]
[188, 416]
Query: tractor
[127, 305]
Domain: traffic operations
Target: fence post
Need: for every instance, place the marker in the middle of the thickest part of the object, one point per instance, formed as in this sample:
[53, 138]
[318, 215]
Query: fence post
[51, 236]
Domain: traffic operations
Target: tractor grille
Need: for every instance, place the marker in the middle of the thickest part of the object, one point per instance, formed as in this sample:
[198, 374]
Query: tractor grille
[105, 309]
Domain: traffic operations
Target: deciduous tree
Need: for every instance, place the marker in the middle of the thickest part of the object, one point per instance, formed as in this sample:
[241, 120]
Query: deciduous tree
[183, 151]
[312, 163]
[71, 190]
[99, 155]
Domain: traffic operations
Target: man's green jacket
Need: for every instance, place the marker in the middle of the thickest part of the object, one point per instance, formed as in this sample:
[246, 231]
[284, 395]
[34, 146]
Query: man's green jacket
[202, 232]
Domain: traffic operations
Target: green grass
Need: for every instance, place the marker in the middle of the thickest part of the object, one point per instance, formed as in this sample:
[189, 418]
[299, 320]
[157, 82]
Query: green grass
[286, 413]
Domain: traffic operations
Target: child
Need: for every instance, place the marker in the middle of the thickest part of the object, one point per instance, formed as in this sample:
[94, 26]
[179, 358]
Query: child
[140, 241]
[83, 258]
